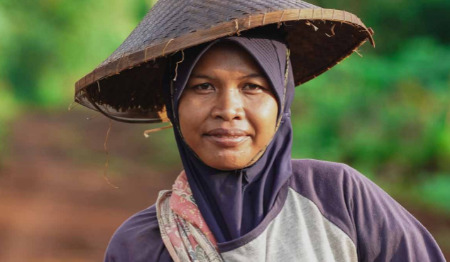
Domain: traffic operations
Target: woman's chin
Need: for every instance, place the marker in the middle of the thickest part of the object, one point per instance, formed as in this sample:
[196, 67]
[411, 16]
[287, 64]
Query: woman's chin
[225, 158]
[228, 167]
[226, 164]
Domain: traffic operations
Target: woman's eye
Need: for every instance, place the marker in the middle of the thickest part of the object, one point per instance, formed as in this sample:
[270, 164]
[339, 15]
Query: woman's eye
[205, 87]
[253, 87]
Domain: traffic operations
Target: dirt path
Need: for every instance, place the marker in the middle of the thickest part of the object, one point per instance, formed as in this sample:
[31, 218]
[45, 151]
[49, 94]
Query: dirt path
[55, 204]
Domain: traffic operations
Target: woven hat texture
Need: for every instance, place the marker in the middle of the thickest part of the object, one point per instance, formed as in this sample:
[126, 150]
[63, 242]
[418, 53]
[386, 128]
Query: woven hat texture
[127, 85]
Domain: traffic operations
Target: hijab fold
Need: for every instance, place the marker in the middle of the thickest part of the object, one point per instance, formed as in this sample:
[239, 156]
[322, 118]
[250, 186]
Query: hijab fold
[234, 202]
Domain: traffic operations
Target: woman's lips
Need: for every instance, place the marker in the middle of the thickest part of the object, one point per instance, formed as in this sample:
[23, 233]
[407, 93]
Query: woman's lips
[227, 137]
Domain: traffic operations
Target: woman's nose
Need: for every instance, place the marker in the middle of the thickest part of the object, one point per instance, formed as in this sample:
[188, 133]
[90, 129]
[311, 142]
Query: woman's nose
[228, 105]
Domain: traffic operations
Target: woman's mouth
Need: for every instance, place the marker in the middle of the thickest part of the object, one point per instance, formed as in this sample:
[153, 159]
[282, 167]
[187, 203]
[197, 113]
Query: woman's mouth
[226, 137]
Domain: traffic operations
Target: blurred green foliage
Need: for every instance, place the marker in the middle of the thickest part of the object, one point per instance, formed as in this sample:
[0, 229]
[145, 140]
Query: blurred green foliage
[48, 44]
[387, 114]
[397, 21]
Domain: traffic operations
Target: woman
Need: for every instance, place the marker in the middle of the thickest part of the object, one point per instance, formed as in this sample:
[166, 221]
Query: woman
[230, 109]
[241, 197]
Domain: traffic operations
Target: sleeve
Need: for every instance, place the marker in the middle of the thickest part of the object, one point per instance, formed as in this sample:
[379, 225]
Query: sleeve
[385, 231]
[138, 240]
[381, 229]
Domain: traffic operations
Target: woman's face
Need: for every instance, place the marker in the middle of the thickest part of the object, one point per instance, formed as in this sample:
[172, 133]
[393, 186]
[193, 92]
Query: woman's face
[227, 111]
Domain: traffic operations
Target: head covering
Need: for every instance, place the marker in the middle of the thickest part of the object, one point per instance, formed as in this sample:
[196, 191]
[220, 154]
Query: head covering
[127, 86]
[235, 202]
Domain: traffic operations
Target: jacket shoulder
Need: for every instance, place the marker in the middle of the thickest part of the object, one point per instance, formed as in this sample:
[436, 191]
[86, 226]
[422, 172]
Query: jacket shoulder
[324, 174]
[327, 185]
[138, 239]
[380, 227]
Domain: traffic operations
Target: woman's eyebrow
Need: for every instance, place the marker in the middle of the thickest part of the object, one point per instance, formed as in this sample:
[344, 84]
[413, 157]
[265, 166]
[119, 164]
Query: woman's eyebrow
[253, 75]
[193, 75]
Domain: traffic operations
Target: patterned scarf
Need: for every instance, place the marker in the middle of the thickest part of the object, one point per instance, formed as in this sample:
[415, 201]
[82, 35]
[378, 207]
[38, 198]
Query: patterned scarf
[183, 229]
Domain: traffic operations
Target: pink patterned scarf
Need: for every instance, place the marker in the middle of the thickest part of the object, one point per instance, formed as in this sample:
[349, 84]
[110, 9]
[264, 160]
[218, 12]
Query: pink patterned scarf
[183, 229]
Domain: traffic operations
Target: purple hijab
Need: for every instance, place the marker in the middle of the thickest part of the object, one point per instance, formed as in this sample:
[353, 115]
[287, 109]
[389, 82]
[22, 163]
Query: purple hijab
[235, 202]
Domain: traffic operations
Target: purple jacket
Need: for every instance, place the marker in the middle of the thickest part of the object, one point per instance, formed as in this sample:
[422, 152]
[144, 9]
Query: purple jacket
[325, 212]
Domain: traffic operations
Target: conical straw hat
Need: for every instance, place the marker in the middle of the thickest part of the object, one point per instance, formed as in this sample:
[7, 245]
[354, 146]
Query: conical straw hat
[127, 85]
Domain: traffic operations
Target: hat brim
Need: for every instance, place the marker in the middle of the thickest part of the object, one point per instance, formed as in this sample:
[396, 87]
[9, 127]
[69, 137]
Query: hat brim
[128, 88]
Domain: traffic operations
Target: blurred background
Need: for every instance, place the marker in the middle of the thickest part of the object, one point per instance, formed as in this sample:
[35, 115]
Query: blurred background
[387, 114]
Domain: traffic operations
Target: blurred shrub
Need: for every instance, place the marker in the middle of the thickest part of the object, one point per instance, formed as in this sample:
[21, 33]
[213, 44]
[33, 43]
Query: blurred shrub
[434, 191]
[388, 116]
[396, 21]
[48, 44]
